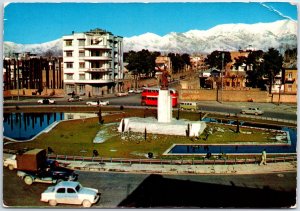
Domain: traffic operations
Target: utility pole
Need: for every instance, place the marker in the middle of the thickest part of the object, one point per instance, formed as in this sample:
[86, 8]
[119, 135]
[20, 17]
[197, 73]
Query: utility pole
[279, 94]
[222, 76]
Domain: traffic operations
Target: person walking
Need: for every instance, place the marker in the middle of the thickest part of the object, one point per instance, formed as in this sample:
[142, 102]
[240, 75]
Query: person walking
[263, 157]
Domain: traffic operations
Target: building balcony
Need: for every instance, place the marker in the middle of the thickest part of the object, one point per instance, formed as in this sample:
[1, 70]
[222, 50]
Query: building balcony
[94, 81]
[97, 47]
[97, 58]
[101, 69]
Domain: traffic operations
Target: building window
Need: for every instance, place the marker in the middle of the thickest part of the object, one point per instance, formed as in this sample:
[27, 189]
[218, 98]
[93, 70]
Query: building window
[70, 88]
[290, 86]
[81, 42]
[68, 42]
[95, 53]
[96, 76]
[81, 89]
[290, 75]
[69, 64]
[96, 90]
[81, 53]
[81, 65]
[69, 53]
[69, 76]
[81, 76]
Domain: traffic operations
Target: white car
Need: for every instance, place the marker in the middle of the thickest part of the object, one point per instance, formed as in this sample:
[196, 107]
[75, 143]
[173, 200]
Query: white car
[70, 192]
[96, 103]
[10, 162]
[75, 98]
[120, 94]
[135, 91]
[255, 111]
[46, 101]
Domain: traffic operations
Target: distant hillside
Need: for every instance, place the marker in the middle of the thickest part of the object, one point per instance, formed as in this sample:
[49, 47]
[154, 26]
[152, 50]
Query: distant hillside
[230, 37]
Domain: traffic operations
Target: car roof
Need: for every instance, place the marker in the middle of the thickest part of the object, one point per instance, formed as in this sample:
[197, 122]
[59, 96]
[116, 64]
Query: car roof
[69, 184]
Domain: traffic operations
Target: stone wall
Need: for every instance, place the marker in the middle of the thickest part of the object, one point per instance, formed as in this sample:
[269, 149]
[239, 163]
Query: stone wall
[251, 95]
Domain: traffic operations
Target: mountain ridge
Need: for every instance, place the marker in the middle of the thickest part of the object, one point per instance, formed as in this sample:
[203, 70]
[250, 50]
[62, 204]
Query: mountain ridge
[280, 34]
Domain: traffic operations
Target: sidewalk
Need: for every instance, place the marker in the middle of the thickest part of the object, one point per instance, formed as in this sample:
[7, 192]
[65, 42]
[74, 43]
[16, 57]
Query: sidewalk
[291, 108]
[279, 167]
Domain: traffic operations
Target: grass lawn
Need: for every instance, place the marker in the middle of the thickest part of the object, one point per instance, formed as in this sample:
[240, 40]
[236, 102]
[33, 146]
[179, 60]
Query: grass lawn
[75, 137]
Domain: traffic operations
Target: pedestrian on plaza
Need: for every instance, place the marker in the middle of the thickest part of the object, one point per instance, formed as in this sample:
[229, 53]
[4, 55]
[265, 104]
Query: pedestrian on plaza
[263, 157]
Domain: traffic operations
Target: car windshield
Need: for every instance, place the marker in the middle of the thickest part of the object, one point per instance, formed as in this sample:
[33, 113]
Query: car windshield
[78, 187]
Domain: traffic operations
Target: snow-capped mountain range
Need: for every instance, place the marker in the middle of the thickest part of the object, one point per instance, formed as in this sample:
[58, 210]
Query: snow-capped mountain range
[261, 36]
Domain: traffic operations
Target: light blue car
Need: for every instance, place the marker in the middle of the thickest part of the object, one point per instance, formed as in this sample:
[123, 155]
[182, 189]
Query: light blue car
[70, 192]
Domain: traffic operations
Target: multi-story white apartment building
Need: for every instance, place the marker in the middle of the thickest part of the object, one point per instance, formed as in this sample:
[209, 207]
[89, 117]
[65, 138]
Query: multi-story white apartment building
[92, 63]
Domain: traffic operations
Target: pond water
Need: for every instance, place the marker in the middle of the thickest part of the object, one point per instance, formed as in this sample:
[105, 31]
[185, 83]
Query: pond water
[240, 149]
[24, 126]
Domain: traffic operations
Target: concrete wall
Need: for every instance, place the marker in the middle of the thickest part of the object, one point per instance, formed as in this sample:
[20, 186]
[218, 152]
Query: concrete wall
[252, 95]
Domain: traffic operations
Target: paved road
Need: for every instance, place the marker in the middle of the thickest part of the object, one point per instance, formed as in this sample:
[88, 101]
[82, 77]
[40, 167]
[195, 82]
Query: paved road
[167, 191]
[282, 111]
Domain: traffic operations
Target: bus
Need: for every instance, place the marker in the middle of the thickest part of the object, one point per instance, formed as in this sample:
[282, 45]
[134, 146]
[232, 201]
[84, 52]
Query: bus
[150, 96]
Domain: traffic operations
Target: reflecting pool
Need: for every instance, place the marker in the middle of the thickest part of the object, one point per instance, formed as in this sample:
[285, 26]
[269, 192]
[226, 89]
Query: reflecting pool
[24, 126]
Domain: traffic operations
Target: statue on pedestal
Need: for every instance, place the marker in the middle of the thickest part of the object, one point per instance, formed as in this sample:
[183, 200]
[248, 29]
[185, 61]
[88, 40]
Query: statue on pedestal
[164, 78]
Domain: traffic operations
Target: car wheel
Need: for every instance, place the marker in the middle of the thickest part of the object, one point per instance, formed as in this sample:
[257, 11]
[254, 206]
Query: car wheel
[28, 180]
[256, 114]
[52, 203]
[11, 167]
[243, 112]
[86, 203]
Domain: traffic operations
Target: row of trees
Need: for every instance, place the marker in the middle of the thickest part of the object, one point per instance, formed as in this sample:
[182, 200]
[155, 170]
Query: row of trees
[259, 65]
[143, 62]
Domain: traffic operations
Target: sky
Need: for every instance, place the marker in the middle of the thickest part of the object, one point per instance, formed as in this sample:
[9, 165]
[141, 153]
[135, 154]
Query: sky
[32, 23]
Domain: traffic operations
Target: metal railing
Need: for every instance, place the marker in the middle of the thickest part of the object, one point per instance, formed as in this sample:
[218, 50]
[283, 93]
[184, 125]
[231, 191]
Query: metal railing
[202, 161]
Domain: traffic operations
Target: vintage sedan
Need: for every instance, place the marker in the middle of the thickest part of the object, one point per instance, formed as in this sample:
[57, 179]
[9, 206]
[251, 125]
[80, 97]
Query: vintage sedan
[97, 103]
[46, 101]
[121, 94]
[70, 192]
[255, 111]
[75, 98]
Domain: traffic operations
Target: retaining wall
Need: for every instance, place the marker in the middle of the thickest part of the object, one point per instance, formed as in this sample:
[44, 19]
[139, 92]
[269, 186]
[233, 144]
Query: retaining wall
[251, 95]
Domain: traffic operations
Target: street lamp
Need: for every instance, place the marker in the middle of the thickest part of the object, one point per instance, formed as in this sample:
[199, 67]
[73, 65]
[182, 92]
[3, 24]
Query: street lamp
[279, 94]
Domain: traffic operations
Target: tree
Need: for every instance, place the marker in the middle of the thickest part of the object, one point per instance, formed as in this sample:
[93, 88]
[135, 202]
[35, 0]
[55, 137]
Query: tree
[215, 60]
[179, 61]
[272, 65]
[141, 62]
[253, 68]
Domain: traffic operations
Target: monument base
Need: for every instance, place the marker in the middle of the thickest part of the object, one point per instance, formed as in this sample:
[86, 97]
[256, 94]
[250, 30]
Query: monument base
[175, 127]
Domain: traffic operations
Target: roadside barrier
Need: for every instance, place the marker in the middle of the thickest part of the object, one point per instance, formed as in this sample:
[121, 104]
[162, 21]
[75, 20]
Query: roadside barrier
[203, 161]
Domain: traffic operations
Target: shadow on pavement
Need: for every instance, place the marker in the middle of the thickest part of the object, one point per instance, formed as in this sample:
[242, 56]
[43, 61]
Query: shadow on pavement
[159, 192]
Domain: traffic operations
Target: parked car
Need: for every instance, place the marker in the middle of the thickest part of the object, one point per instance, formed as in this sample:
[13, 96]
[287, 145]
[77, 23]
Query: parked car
[75, 98]
[97, 103]
[46, 101]
[69, 192]
[138, 91]
[193, 106]
[135, 91]
[252, 110]
[53, 174]
[120, 94]
[131, 91]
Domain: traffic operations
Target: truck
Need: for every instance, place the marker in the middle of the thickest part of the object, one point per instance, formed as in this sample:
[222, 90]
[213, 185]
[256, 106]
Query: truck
[33, 166]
